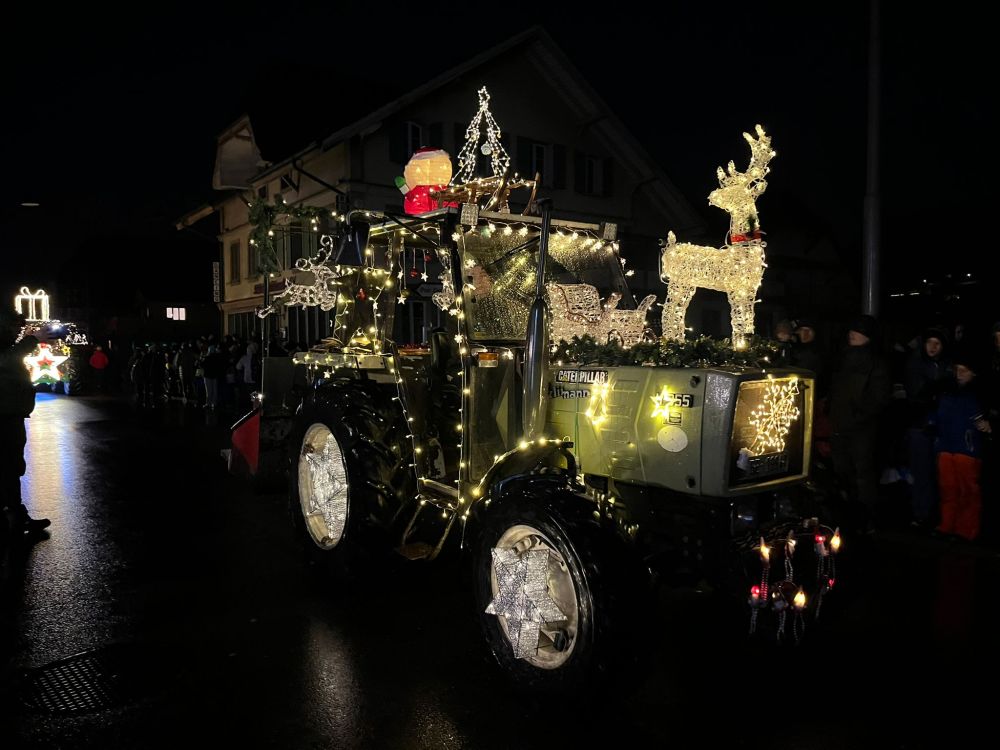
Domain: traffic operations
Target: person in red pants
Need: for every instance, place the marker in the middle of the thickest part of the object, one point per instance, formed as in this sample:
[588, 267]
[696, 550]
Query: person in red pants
[962, 428]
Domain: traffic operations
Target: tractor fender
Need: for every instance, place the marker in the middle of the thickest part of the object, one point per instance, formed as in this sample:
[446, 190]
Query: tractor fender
[548, 473]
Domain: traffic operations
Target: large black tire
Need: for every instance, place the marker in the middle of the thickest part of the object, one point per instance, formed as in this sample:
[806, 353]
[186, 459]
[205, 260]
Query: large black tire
[370, 434]
[611, 588]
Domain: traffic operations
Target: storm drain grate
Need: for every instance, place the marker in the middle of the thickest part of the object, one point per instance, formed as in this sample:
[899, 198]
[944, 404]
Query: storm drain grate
[83, 683]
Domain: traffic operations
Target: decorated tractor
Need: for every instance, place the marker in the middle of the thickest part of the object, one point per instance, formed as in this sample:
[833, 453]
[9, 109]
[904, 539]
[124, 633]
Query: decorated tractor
[58, 362]
[541, 427]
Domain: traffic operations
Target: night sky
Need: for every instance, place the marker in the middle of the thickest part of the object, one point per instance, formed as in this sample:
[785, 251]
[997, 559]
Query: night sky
[110, 120]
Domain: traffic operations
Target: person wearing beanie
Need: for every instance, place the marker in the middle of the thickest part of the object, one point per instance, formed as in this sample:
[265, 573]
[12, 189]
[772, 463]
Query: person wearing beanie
[928, 371]
[808, 355]
[784, 334]
[962, 427]
[859, 392]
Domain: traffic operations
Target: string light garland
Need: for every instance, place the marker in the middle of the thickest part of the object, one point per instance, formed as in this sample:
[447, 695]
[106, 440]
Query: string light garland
[738, 267]
[264, 218]
[703, 351]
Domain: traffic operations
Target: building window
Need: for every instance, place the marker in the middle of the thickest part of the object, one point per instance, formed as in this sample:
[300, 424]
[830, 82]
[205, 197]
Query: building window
[341, 205]
[262, 192]
[593, 176]
[541, 162]
[310, 240]
[288, 183]
[177, 313]
[281, 242]
[235, 250]
[253, 261]
[243, 325]
[414, 137]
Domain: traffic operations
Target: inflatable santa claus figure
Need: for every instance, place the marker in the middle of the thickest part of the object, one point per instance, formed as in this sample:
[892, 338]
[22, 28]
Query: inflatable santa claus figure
[428, 169]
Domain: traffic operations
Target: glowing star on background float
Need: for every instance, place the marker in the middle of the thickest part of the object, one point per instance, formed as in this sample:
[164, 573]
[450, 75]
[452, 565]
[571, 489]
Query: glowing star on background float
[44, 364]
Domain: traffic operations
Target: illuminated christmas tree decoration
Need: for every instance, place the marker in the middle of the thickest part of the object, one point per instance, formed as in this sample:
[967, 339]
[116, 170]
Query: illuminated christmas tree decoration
[468, 156]
[773, 417]
[465, 187]
[738, 267]
[34, 306]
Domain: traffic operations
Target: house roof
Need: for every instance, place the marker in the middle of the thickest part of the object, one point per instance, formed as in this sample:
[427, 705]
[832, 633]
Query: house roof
[578, 96]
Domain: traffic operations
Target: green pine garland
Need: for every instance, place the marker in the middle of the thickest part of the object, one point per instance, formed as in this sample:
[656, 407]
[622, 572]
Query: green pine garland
[263, 218]
[703, 351]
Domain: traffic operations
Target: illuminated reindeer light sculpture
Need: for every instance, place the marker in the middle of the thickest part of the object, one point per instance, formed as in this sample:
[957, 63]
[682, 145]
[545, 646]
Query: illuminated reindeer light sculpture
[736, 268]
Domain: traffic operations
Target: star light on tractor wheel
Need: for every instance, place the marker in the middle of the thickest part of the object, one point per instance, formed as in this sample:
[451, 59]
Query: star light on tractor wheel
[522, 597]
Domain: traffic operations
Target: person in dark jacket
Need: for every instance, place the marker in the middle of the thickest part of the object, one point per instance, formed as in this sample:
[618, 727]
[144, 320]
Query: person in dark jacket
[927, 374]
[808, 354]
[962, 428]
[859, 392]
[17, 401]
[784, 334]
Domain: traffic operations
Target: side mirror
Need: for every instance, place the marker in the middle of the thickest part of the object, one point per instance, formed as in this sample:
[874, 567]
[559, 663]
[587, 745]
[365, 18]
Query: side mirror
[351, 251]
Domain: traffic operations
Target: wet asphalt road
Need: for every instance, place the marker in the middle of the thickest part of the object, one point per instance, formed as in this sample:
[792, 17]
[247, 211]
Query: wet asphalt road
[193, 587]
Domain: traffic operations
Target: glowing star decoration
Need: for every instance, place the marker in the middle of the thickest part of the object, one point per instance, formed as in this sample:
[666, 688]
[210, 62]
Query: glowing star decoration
[522, 597]
[661, 403]
[32, 305]
[736, 268]
[44, 366]
[327, 483]
[597, 408]
[774, 416]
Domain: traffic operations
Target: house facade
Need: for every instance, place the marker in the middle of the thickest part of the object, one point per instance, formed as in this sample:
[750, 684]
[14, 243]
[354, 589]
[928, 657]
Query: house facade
[553, 125]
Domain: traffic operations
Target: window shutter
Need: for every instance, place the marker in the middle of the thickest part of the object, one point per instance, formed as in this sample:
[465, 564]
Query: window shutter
[295, 231]
[579, 172]
[397, 144]
[435, 135]
[524, 157]
[608, 177]
[559, 167]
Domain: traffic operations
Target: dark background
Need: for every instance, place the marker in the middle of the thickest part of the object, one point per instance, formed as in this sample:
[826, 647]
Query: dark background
[111, 117]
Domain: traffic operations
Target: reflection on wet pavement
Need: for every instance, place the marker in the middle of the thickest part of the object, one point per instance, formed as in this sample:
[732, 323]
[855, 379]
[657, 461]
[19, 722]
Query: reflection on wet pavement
[155, 550]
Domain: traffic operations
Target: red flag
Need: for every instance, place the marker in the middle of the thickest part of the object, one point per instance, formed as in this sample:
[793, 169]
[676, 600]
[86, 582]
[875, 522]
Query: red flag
[246, 440]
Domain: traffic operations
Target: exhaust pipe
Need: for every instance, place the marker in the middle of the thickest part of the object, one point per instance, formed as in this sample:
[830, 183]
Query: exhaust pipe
[537, 349]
